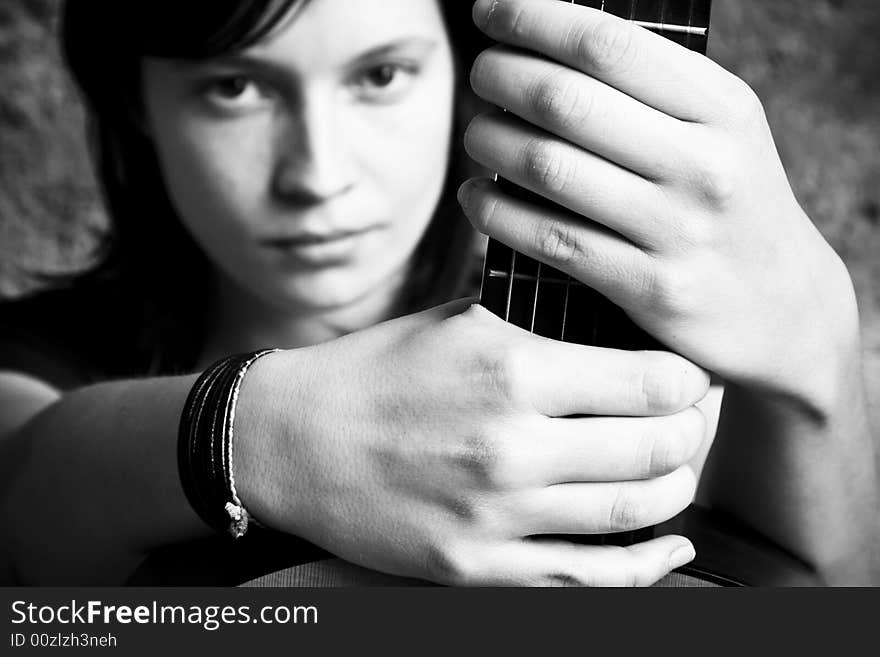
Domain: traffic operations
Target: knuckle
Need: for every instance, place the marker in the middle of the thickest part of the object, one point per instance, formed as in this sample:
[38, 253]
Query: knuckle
[508, 20]
[626, 511]
[544, 167]
[481, 70]
[466, 507]
[674, 291]
[501, 374]
[476, 317]
[574, 570]
[693, 430]
[563, 579]
[718, 177]
[560, 243]
[451, 564]
[745, 106]
[622, 574]
[667, 447]
[492, 464]
[483, 210]
[642, 573]
[639, 570]
[574, 575]
[476, 135]
[660, 387]
[663, 450]
[607, 46]
[478, 455]
[559, 100]
[674, 492]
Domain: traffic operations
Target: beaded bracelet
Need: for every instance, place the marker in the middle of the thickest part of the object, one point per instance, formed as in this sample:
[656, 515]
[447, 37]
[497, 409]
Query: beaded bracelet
[205, 444]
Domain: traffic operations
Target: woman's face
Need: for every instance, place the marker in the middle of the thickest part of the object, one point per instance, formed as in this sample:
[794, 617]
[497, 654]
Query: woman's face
[309, 165]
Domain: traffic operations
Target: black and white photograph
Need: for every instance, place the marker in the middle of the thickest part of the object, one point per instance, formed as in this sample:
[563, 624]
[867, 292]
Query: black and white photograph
[439, 293]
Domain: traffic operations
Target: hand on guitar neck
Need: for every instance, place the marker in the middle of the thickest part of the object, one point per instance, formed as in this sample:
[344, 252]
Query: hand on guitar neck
[651, 177]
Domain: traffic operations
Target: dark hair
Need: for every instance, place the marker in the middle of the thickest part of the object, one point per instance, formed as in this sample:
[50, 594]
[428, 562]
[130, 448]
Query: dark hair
[147, 255]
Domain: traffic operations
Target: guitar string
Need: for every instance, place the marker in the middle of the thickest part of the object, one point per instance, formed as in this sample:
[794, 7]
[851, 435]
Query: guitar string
[535, 304]
[687, 41]
[593, 319]
[568, 278]
[689, 31]
[510, 284]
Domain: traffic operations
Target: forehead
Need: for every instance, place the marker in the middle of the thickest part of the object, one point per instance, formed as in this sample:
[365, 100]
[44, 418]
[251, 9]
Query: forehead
[324, 33]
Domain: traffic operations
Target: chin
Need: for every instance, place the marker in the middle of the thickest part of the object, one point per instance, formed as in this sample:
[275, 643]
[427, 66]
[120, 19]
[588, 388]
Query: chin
[335, 291]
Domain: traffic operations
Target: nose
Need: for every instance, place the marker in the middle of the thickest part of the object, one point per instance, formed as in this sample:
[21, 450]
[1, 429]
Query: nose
[315, 161]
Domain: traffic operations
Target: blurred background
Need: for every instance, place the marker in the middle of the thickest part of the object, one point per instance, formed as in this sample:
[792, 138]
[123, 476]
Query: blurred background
[815, 63]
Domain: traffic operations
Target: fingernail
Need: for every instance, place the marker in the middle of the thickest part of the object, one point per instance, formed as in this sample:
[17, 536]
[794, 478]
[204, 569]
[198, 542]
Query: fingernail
[464, 194]
[681, 555]
[467, 189]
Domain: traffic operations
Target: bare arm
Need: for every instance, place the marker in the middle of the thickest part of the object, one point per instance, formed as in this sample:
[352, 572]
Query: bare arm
[409, 448]
[804, 473]
[90, 480]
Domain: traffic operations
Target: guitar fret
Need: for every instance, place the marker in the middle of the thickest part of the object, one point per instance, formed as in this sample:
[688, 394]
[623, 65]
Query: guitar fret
[495, 273]
[673, 29]
[510, 285]
[535, 304]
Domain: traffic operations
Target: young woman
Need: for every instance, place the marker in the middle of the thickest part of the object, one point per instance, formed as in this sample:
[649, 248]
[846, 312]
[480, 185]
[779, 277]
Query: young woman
[283, 174]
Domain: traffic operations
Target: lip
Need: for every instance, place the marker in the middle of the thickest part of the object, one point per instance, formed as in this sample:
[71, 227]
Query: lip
[312, 239]
[319, 248]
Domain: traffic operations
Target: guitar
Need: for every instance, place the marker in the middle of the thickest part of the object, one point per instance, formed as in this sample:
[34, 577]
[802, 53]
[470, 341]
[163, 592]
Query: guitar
[549, 303]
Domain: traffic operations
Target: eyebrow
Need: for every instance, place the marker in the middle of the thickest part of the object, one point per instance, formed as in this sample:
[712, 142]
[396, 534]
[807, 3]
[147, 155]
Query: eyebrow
[254, 61]
[423, 43]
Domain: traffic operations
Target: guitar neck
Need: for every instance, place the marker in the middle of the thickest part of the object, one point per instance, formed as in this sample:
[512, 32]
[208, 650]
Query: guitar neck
[543, 300]
[548, 302]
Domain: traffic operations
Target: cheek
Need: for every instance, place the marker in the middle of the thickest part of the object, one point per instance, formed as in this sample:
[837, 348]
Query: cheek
[412, 156]
[214, 177]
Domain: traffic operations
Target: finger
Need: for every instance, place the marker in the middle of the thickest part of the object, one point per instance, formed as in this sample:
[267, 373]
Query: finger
[646, 66]
[589, 252]
[609, 449]
[578, 180]
[558, 379]
[570, 379]
[559, 563]
[582, 110]
[605, 507]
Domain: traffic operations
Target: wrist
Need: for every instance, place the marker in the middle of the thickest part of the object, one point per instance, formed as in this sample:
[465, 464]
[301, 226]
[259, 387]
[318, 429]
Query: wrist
[825, 380]
[265, 470]
[830, 379]
[820, 371]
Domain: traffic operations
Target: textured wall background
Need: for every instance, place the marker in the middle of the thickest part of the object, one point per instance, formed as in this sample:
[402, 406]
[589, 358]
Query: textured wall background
[816, 64]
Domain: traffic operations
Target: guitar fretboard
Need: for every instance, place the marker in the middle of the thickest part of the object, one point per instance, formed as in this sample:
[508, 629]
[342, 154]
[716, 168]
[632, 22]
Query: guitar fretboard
[548, 302]
[544, 300]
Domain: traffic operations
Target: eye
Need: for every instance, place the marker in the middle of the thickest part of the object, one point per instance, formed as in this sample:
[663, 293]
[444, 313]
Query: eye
[382, 76]
[384, 82]
[235, 92]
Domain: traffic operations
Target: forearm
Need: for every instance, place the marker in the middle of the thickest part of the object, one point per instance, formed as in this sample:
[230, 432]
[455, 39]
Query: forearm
[803, 476]
[93, 483]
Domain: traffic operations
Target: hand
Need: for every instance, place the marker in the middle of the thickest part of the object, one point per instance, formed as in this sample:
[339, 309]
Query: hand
[433, 445]
[693, 228]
